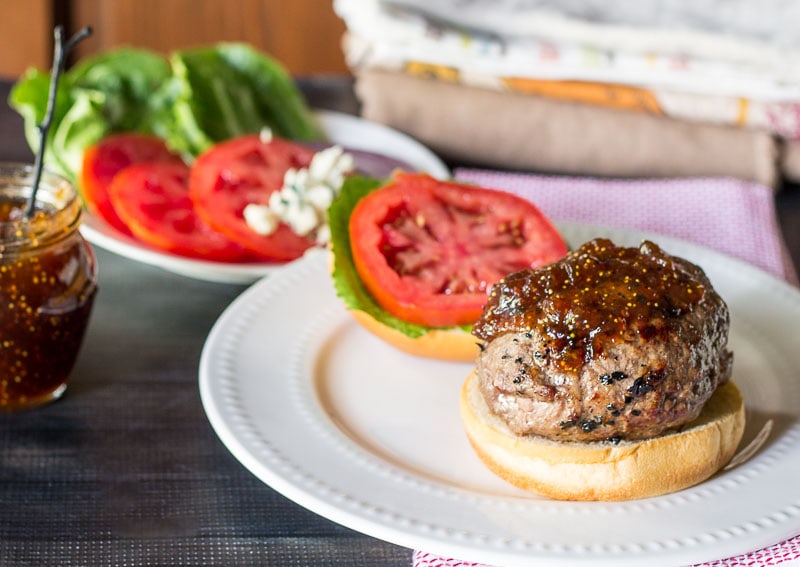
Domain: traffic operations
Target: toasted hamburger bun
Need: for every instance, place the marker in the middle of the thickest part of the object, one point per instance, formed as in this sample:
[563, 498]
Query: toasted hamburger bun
[454, 344]
[602, 470]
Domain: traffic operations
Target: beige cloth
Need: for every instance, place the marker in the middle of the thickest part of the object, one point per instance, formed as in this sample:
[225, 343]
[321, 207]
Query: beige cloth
[790, 160]
[526, 132]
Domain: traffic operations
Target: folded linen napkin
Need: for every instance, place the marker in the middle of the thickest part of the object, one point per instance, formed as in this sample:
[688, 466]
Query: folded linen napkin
[509, 130]
[515, 38]
[730, 30]
[542, 57]
[780, 118]
[730, 216]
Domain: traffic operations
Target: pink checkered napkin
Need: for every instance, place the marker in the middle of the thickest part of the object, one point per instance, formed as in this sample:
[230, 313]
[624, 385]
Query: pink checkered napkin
[787, 551]
[733, 217]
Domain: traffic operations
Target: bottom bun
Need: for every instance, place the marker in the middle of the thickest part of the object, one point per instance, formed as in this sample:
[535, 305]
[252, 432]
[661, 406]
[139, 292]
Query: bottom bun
[443, 344]
[602, 470]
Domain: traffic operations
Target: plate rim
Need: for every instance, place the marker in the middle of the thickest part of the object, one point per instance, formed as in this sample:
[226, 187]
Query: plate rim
[399, 536]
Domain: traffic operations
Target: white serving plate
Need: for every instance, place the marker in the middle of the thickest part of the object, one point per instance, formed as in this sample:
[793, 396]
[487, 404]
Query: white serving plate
[370, 437]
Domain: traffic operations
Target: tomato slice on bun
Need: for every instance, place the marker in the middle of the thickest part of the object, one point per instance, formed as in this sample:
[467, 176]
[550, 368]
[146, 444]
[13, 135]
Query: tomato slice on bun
[417, 256]
[429, 250]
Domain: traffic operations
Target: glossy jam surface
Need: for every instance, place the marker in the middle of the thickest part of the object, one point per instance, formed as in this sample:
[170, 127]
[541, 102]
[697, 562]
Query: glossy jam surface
[47, 286]
[596, 295]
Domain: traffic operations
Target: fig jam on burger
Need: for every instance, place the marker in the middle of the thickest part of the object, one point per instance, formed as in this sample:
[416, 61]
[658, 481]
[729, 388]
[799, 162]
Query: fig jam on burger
[610, 343]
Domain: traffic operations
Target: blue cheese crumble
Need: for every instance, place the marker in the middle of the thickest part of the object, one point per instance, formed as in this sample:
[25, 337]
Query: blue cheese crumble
[302, 203]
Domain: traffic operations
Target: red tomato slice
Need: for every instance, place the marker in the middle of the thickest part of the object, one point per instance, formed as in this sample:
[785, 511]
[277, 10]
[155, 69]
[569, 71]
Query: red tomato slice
[428, 251]
[246, 170]
[103, 160]
[153, 200]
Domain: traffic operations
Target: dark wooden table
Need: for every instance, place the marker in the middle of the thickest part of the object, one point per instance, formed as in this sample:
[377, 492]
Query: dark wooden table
[126, 470]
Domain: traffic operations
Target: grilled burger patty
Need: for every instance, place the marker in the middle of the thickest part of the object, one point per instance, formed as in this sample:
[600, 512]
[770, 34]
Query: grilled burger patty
[609, 343]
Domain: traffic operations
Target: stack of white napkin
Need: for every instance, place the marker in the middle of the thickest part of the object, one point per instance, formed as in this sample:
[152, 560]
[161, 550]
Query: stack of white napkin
[651, 88]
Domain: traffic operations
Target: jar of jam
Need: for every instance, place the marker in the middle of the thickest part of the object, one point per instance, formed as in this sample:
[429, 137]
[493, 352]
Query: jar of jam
[47, 286]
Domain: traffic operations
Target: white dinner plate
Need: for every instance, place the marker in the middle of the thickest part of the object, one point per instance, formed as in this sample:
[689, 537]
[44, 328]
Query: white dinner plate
[347, 130]
[369, 437]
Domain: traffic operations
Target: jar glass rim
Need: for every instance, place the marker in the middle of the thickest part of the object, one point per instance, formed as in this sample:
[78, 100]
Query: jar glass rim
[56, 198]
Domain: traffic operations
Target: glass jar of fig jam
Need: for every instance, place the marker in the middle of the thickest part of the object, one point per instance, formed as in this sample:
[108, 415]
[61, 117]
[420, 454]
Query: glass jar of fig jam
[47, 286]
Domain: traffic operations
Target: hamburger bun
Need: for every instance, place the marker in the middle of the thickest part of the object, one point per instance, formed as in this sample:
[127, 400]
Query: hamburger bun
[601, 470]
[452, 344]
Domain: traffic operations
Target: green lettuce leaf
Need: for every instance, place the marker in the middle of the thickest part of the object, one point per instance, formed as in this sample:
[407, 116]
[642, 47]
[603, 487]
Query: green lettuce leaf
[28, 97]
[193, 99]
[348, 285]
[227, 90]
[107, 93]
[123, 82]
[81, 126]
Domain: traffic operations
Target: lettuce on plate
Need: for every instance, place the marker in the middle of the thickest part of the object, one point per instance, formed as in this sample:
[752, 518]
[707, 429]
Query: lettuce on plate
[192, 99]
[104, 94]
[227, 90]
